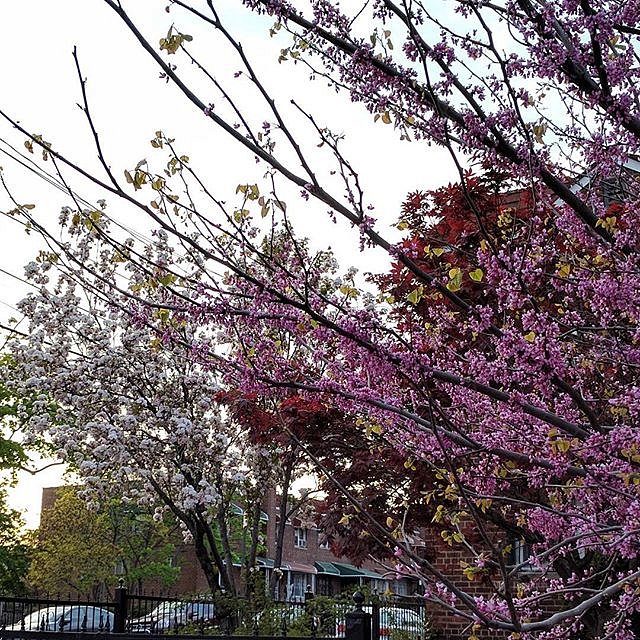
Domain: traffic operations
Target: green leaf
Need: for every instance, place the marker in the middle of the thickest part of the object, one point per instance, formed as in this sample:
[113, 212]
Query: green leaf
[415, 296]
[538, 132]
[139, 178]
[254, 192]
[240, 214]
[455, 281]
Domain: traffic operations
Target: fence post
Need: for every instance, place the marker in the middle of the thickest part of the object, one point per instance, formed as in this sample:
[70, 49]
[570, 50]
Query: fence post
[308, 595]
[358, 622]
[375, 619]
[308, 609]
[120, 614]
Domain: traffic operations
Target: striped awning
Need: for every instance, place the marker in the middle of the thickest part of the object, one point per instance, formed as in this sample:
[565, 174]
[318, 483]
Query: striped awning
[342, 569]
[297, 567]
[327, 568]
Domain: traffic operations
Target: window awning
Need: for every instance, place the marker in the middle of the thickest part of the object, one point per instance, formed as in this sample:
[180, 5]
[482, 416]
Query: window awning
[367, 573]
[267, 563]
[348, 570]
[237, 510]
[327, 568]
[298, 567]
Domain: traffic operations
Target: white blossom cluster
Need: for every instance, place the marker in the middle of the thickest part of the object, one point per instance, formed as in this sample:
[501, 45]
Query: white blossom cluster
[132, 414]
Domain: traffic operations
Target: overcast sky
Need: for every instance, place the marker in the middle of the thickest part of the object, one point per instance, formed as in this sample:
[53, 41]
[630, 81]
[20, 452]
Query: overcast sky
[129, 102]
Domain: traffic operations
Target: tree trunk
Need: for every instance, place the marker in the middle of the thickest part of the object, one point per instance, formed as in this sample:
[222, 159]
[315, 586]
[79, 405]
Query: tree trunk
[226, 547]
[275, 584]
[204, 557]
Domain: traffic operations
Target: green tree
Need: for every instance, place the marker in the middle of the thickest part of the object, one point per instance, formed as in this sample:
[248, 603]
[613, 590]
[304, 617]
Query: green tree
[145, 545]
[88, 551]
[15, 410]
[73, 549]
[15, 554]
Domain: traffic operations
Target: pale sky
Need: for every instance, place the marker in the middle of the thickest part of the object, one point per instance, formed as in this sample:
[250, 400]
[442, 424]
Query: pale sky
[129, 102]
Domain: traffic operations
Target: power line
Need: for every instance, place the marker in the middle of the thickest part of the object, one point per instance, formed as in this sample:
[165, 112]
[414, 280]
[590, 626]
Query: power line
[10, 306]
[13, 330]
[29, 164]
[15, 277]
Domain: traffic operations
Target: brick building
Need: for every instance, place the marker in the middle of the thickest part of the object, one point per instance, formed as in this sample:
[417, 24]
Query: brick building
[307, 561]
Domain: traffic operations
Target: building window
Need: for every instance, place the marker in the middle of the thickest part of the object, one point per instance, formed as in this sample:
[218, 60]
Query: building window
[300, 538]
[400, 587]
[323, 543]
[520, 554]
[323, 586]
[379, 586]
[298, 586]
[615, 189]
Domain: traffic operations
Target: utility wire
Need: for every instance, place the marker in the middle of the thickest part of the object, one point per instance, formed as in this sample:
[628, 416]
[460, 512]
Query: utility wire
[15, 277]
[20, 158]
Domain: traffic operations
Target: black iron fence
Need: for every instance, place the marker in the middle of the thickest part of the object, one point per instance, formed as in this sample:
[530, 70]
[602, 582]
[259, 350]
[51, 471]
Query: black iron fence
[126, 613]
[320, 618]
[47, 614]
[155, 615]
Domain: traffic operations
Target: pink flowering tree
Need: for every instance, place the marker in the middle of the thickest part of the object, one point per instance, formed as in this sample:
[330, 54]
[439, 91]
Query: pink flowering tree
[509, 379]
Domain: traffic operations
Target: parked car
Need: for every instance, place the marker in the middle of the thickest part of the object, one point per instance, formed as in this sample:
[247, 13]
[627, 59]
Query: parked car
[66, 618]
[318, 618]
[395, 623]
[271, 620]
[170, 615]
[198, 611]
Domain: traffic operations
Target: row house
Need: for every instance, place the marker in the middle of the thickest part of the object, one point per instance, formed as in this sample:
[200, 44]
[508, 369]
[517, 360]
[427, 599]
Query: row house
[308, 563]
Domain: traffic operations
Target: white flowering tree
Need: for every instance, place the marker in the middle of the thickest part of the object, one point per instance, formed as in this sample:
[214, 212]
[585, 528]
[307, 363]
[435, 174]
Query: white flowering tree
[136, 415]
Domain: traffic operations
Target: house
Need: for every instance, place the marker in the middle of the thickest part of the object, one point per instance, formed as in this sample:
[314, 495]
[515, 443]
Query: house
[307, 561]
